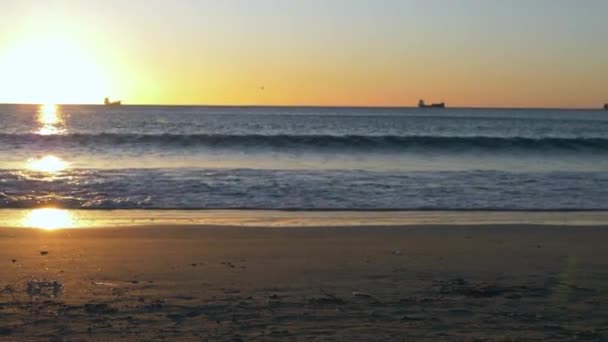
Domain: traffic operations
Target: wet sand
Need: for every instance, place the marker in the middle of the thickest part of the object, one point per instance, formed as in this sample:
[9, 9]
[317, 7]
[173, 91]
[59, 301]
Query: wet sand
[510, 282]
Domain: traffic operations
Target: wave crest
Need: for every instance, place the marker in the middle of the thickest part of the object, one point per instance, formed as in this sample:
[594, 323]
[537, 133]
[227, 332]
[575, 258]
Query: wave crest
[313, 142]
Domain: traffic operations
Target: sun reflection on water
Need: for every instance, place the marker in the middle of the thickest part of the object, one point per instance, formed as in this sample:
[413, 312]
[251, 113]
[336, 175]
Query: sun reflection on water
[50, 119]
[48, 219]
[47, 164]
[48, 114]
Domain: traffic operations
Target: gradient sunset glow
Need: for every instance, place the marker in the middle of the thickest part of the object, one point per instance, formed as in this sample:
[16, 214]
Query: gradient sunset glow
[548, 53]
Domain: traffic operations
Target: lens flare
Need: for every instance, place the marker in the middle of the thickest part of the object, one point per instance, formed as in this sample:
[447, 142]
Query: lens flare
[48, 219]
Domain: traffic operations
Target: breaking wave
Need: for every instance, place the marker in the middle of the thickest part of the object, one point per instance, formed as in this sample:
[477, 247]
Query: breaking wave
[314, 142]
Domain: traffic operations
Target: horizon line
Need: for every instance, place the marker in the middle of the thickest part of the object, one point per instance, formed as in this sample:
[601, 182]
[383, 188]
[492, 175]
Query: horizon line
[306, 106]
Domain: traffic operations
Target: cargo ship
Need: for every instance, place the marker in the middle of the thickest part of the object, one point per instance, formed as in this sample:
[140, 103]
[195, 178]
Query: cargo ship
[107, 102]
[421, 104]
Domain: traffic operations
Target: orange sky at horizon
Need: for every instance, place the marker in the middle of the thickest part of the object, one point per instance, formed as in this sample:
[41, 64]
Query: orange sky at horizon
[291, 53]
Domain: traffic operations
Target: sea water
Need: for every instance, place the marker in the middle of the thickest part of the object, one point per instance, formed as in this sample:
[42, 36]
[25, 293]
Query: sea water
[304, 158]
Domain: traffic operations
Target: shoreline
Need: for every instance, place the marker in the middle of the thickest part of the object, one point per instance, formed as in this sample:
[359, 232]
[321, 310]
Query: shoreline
[51, 218]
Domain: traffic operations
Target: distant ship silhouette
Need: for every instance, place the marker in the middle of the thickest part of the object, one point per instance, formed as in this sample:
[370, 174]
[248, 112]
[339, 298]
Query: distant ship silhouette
[421, 104]
[606, 106]
[107, 102]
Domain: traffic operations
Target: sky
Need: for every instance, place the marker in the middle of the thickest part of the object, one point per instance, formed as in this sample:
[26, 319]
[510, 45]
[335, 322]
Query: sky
[480, 53]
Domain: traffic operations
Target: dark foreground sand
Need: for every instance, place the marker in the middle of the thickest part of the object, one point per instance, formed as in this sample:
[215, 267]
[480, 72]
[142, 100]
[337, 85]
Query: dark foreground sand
[494, 283]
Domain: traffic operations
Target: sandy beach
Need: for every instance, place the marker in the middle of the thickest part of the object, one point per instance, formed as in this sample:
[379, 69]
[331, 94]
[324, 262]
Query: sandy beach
[198, 170]
[182, 283]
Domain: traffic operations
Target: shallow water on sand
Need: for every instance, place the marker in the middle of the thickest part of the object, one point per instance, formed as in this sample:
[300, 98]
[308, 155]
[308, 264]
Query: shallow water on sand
[52, 219]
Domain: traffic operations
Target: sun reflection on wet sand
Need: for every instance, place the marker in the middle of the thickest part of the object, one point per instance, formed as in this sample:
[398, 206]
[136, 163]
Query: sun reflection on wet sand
[48, 219]
[50, 119]
[48, 164]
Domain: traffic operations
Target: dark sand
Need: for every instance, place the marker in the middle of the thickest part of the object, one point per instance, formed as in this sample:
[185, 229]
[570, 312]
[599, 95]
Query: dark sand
[497, 283]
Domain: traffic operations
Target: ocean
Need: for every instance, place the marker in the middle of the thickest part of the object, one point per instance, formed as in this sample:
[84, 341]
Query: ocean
[302, 158]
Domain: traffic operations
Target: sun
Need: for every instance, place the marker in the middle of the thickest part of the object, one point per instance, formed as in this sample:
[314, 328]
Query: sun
[51, 67]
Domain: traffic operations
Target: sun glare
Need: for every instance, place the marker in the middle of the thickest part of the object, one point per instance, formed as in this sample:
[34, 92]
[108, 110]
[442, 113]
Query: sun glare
[49, 117]
[47, 114]
[48, 219]
[48, 164]
[54, 66]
